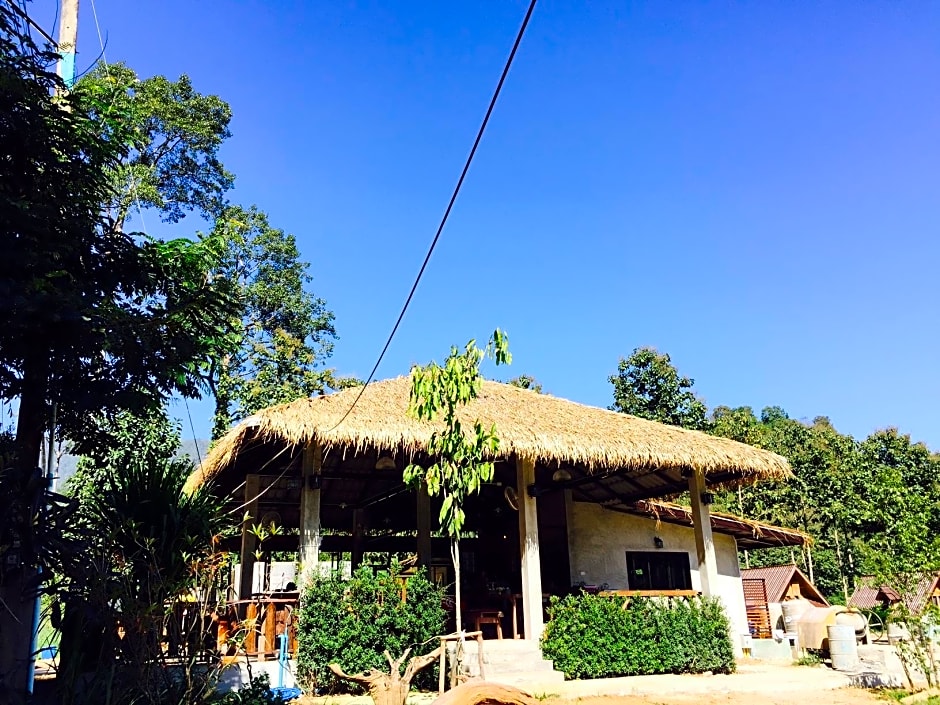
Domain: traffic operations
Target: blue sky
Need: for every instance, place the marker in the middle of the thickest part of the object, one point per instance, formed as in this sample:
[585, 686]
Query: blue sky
[750, 186]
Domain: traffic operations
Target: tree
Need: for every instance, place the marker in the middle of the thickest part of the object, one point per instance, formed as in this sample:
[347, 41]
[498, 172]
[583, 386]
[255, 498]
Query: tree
[526, 382]
[899, 509]
[285, 333]
[648, 385]
[463, 460]
[120, 440]
[172, 165]
[173, 135]
[95, 320]
[816, 500]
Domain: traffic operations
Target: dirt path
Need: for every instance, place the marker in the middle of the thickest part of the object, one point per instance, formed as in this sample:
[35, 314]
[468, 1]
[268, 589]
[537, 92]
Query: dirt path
[848, 696]
[753, 683]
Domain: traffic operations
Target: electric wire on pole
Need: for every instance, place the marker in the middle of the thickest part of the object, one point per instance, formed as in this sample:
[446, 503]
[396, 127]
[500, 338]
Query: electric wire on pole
[450, 205]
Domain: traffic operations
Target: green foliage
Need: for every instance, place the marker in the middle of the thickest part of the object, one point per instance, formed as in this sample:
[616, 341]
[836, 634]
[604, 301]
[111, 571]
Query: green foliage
[808, 659]
[588, 636]
[526, 382]
[148, 554]
[648, 385]
[353, 622]
[95, 319]
[257, 692]
[284, 332]
[172, 135]
[871, 507]
[150, 438]
[463, 461]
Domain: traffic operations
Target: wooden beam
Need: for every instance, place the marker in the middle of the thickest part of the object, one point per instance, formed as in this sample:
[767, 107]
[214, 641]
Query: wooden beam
[357, 533]
[704, 542]
[529, 551]
[424, 525]
[249, 540]
[310, 508]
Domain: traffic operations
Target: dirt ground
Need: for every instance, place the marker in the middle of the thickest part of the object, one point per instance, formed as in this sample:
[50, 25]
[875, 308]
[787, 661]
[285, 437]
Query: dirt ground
[753, 684]
[846, 696]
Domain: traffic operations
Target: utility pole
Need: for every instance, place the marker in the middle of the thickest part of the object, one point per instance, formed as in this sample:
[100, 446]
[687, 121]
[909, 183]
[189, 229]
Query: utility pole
[68, 39]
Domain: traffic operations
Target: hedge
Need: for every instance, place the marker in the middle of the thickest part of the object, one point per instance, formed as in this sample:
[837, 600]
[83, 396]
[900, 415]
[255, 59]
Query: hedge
[352, 622]
[588, 636]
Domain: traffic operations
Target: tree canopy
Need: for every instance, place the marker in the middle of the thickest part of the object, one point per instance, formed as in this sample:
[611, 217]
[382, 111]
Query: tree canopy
[285, 333]
[648, 385]
[871, 506]
[172, 135]
[96, 320]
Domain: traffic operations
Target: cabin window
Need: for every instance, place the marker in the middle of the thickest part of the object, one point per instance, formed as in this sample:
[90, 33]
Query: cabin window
[658, 570]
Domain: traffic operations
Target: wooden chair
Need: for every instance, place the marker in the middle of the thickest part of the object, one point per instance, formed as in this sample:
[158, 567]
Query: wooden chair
[482, 617]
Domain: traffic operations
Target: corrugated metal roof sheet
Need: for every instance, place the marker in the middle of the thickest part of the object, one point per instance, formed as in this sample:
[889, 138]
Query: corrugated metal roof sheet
[777, 578]
[868, 594]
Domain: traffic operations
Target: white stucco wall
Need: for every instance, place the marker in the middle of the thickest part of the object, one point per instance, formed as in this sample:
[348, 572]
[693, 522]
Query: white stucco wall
[598, 540]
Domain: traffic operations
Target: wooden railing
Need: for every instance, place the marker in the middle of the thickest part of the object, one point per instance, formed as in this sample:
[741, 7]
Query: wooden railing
[263, 619]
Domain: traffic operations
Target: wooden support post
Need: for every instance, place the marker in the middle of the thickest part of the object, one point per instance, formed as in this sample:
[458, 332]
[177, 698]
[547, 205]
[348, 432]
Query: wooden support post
[529, 550]
[270, 630]
[357, 532]
[704, 543]
[249, 540]
[251, 635]
[442, 667]
[310, 508]
[424, 526]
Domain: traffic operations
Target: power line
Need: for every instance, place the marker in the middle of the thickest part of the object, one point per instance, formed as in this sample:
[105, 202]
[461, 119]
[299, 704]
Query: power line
[450, 205]
[25, 17]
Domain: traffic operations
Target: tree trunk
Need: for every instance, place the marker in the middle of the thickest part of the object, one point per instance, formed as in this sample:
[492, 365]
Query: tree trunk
[16, 596]
[455, 557]
[389, 688]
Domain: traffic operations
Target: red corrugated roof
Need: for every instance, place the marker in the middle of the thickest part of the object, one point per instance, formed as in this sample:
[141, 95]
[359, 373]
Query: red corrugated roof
[777, 578]
[869, 594]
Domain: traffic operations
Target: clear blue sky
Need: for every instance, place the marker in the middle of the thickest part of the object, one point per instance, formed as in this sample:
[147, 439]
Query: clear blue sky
[752, 187]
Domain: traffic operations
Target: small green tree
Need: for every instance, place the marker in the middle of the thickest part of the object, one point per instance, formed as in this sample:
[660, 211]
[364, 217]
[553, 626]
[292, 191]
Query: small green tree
[526, 382]
[648, 385]
[462, 460]
[149, 564]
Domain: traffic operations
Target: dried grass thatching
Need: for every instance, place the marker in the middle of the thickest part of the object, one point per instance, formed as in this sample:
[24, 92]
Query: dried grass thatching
[530, 425]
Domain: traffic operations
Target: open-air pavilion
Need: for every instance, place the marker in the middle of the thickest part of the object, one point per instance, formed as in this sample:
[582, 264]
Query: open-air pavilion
[333, 479]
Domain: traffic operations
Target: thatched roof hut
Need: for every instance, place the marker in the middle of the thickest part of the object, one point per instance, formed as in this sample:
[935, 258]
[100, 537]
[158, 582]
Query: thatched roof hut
[590, 442]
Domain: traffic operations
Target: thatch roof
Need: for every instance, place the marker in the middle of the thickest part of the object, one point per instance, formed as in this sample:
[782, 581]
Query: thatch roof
[541, 427]
[749, 534]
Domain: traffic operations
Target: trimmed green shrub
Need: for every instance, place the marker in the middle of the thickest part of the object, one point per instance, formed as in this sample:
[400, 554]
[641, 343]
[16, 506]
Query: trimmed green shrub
[352, 622]
[588, 636]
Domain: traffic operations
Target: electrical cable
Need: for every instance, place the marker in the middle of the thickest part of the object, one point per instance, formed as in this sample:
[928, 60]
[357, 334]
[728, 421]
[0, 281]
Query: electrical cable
[55, 19]
[193, 429]
[450, 205]
[26, 18]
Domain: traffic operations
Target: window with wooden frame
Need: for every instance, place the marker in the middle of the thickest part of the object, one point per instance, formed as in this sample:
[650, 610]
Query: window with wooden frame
[659, 570]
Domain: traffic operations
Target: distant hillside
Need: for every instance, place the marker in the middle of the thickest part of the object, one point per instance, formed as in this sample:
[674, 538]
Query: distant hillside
[194, 449]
